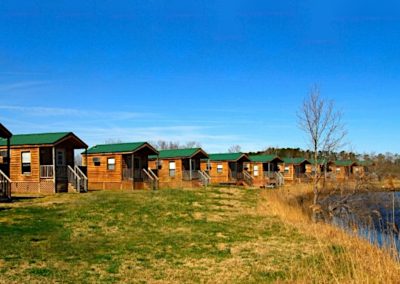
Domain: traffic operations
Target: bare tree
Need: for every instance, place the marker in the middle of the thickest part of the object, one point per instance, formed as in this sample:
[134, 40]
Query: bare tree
[168, 145]
[192, 144]
[235, 149]
[325, 131]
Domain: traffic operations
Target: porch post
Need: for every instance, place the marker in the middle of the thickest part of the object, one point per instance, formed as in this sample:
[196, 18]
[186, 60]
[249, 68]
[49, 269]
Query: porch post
[133, 171]
[8, 156]
[54, 170]
[190, 169]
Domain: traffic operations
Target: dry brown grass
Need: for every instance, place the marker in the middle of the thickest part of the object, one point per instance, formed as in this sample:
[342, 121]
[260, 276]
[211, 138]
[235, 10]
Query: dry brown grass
[345, 258]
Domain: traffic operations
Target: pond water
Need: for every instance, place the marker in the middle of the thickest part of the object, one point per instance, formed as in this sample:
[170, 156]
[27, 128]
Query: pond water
[374, 216]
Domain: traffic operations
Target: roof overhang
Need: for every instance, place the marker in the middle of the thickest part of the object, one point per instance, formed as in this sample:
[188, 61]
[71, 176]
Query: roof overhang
[4, 132]
[75, 140]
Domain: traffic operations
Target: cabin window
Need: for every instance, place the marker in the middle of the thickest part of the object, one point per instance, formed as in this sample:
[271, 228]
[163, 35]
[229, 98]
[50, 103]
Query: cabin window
[172, 168]
[255, 171]
[96, 162]
[338, 170]
[111, 164]
[287, 170]
[26, 162]
[3, 153]
[219, 168]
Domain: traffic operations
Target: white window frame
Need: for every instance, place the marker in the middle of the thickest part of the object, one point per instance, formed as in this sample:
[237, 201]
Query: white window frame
[256, 171]
[111, 164]
[25, 159]
[172, 168]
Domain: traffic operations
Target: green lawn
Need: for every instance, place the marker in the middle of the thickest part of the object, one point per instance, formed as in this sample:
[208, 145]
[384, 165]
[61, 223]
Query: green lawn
[203, 235]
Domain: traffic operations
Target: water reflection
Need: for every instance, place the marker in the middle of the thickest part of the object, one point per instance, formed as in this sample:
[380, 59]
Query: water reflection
[373, 216]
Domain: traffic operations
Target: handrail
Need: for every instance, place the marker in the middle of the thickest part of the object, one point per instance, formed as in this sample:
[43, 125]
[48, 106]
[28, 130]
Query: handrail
[76, 180]
[204, 178]
[153, 174]
[245, 173]
[5, 176]
[153, 182]
[82, 175]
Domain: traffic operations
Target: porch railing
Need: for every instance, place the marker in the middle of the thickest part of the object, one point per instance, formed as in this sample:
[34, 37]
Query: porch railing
[204, 178]
[128, 174]
[5, 185]
[46, 171]
[247, 178]
[149, 179]
[236, 175]
[191, 175]
[84, 179]
[269, 174]
[73, 178]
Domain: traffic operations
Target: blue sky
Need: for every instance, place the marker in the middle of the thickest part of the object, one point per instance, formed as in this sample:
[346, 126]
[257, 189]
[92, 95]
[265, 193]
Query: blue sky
[217, 72]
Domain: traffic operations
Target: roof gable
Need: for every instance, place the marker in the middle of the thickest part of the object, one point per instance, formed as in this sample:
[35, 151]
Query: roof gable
[119, 148]
[37, 139]
[4, 132]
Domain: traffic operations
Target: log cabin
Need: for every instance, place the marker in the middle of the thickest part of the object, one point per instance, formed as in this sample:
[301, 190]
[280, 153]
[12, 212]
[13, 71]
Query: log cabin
[122, 166]
[363, 168]
[179, 168]
[44, 163]
[264, 170]
[294, 169]
[5, 182]
[343, 169]
[227, 168]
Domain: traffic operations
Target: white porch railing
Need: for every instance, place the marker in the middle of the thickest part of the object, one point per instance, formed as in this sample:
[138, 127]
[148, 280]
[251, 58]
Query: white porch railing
[5, 185]
[74, 179]
[46, 171]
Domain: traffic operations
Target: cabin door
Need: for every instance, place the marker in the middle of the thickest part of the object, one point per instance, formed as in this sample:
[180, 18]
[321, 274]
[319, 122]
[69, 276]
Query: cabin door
[61, 165]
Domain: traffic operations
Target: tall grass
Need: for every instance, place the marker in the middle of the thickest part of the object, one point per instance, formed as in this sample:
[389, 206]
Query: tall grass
[343, 257]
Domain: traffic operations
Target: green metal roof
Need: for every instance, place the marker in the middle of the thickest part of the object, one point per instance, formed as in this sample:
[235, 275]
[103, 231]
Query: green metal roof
[116, 148]
[295, 161]
[35, 139]
[263, 158]
[177, 153]
[345, 163]
[226, 156]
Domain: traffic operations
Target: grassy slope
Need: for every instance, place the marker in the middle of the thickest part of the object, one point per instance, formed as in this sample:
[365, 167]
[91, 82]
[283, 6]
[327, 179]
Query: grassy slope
[213, 235]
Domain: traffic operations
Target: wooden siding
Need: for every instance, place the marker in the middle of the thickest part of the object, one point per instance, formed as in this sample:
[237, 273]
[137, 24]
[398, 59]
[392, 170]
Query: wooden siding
[217, 177]
[100, 177]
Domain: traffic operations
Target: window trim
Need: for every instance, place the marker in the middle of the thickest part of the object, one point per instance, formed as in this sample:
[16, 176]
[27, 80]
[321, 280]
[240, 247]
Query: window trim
[220, 168]
[172, 171]
[111, 164]
[30, 163]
